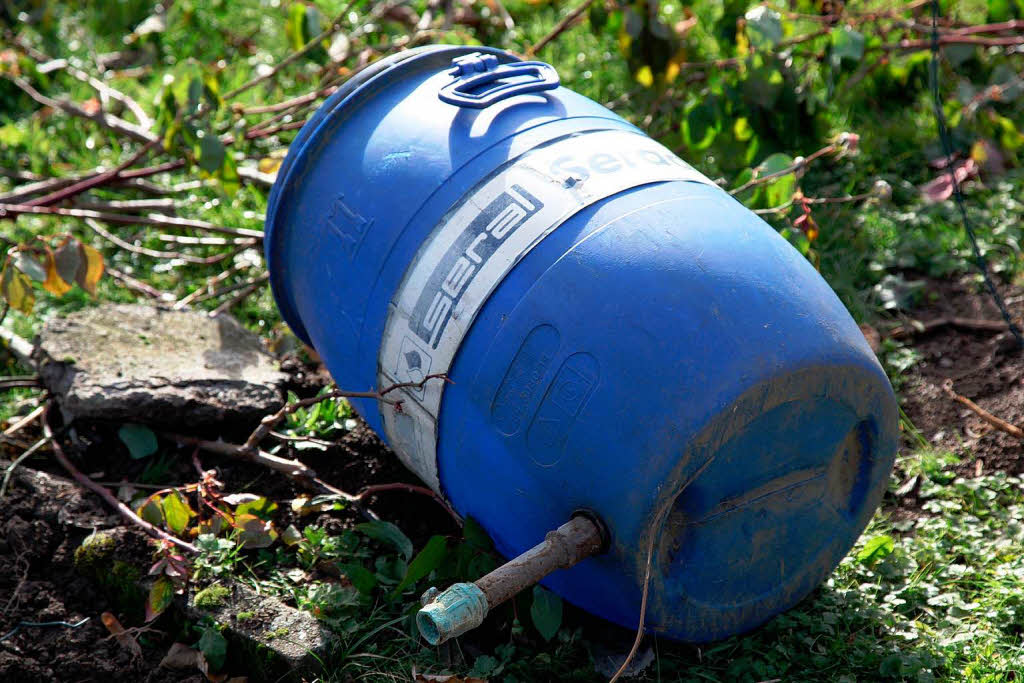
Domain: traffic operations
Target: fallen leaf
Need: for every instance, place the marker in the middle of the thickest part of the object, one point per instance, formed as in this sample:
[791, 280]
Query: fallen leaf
[180, 656]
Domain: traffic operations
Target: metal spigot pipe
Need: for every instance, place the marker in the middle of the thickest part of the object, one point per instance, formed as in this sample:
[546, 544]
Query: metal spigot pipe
[463, 606]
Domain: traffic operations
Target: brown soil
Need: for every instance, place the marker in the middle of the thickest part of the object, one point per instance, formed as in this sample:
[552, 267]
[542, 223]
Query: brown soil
[41, 526]
[986, 367]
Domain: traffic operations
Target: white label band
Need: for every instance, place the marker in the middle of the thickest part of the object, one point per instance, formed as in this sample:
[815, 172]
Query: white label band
[472, 249]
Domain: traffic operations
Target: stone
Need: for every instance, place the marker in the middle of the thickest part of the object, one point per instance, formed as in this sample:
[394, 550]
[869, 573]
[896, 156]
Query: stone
[175, 369]
[271, 640]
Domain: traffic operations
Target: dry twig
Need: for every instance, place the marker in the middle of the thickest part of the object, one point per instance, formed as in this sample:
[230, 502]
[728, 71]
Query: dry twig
[997, 422]
[138, 285]
[559, 28]
[155, 253]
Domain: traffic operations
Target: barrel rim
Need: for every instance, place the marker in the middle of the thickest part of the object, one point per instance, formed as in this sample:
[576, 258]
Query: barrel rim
[391, 68]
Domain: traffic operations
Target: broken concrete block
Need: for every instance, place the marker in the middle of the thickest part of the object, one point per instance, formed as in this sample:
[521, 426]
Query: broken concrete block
[170, 368]
[271, 639]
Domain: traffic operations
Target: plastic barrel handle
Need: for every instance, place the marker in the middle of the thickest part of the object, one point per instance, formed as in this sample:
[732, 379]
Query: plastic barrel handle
[474, 72]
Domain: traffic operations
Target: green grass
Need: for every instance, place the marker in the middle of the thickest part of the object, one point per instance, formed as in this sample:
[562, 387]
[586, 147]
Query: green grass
[947, 603]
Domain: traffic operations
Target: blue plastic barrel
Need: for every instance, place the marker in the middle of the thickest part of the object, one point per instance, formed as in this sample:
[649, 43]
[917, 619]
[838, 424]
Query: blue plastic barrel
[622, 337]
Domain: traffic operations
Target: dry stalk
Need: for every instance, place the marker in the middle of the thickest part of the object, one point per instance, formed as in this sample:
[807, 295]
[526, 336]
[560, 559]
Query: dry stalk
[997, 422]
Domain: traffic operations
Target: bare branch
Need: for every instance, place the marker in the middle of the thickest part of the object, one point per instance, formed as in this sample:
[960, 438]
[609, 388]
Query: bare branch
[159, 220]
[559, 28]
[155, 253]
[240, 297]
[208, 287]
[93, 181]
[138, 285]
[797, 165]
[21, 348]
[104, 89]
[229, 289]
[291, 468]
[127, 205]
[108, 121]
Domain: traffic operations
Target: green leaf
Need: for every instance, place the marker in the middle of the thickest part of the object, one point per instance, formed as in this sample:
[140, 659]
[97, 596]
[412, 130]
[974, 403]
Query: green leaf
[161, 593]
[177, 512]
[741, 129]
[875, 549]
[598, 15]
[214, 647]
[546, 612]
[295, 26]
[11, 136]
[764, 26]
[152, 511]
[228, 176]
[485, 665]
[751, 196]
[847, 43]
[140, 440]
[261, 507]
[211, 91]
[700, 127]
[780, 190]
[386, 532]
[475, 536]
[362, 578]
[195, 91]
[211, 153]
[426, 561]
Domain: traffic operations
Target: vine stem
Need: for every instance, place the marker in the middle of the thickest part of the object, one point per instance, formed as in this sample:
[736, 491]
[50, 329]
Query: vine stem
[270, 421]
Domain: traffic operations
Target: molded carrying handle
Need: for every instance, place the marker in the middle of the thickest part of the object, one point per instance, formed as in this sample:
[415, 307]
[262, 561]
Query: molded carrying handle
[475, 71]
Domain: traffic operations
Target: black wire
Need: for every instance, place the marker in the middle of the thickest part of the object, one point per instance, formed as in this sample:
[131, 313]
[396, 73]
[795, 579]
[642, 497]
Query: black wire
[947, 150]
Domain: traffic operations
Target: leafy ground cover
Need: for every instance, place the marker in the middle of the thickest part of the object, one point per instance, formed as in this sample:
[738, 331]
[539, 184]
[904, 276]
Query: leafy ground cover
[817, 115]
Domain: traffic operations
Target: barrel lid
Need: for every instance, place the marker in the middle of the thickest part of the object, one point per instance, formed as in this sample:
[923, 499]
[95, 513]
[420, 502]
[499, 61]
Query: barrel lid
[300, 156]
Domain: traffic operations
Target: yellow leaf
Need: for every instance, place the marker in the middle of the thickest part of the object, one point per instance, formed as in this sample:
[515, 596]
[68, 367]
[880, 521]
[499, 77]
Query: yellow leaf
[644, 76]
[88, 279]
[742, 42]
[269, 164]
[53, 283]
[978, 152]
[16, 288]
[624, 42]
[674, 66]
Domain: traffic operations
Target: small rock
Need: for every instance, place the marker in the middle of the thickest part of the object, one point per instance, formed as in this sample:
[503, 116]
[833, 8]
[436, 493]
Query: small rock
[168, 368]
